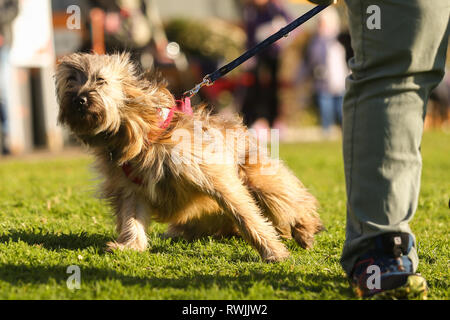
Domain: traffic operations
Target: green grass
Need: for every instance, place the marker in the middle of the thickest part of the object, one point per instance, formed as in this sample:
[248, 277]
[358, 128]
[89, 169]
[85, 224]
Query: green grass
[50, 219]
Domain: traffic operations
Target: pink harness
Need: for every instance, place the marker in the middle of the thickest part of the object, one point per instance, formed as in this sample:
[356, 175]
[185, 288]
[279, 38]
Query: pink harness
[183, 106]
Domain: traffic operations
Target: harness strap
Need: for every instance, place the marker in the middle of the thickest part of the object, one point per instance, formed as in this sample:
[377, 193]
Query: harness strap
[184, 106]
[127, 169]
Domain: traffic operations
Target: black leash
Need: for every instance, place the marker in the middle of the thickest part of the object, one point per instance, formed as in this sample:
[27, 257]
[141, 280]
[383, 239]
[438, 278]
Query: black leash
[209, 79]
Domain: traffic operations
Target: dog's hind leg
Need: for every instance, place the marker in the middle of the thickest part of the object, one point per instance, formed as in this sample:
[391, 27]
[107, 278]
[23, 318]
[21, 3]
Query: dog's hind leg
[285, 201]
[236, 201]
[132, 217]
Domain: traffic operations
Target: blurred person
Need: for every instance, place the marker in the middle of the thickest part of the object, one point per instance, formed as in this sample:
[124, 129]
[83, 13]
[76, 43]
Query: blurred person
[262, 18]
[9, 10]
[129, 26]
[400, 52]
[440, 103]
[325, 61]
[3, 130]
[133, 26]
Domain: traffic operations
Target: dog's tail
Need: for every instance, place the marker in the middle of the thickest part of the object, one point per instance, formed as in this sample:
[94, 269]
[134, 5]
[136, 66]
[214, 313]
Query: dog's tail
[286, 202]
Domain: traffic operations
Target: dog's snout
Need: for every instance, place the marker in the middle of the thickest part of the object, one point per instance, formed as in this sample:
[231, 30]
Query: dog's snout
[80, 101]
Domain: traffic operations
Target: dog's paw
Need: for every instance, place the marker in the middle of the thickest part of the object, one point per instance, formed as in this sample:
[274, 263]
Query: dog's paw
[278, 256]
[113, 245]
[305, 236]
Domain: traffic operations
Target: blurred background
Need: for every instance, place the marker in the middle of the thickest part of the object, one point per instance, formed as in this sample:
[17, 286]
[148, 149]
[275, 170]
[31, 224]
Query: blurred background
[295, 86]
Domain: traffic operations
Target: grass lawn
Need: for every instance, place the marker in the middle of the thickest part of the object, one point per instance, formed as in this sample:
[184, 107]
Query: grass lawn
[50, 219]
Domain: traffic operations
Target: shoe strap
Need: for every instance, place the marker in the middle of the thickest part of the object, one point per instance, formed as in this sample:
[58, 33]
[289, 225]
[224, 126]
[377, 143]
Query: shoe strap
[394, 244]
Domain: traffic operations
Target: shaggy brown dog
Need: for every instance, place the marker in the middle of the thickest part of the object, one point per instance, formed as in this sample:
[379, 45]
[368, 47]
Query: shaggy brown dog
[179, 168]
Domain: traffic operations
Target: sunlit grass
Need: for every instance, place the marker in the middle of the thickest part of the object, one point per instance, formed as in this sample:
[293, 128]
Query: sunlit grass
[50, 219]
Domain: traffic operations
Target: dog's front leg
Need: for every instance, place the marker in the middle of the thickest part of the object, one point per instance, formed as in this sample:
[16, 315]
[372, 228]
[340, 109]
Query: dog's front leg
[132, 216]
[253, 226]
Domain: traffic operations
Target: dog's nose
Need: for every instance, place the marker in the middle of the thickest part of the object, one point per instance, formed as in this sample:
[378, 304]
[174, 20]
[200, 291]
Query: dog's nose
[80, 101]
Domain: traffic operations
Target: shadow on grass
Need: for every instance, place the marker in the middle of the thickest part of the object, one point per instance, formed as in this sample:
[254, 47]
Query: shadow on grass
[55, 241]
[288, 282]
[74, 241]
[42, 274]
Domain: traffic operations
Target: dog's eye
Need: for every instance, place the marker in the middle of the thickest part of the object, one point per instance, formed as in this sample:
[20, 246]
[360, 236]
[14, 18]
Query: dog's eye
[100, 80]
[72, 78]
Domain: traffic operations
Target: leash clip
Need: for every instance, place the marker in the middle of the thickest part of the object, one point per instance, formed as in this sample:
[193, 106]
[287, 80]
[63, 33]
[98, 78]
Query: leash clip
[206, 82]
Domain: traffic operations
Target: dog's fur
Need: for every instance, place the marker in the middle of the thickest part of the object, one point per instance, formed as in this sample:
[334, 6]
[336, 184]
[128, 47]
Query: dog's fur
[121, 125]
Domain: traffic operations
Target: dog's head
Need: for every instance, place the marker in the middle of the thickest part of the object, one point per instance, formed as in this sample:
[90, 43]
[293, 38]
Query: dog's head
[105, 94]
[90, 93]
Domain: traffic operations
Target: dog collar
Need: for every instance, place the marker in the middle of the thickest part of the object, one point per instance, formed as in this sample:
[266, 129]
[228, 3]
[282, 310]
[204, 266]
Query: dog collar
[182, 105]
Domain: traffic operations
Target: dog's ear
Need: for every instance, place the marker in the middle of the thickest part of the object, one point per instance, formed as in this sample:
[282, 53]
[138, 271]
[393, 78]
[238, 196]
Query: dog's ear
[74, 60]
[64, 69]
[62, 65]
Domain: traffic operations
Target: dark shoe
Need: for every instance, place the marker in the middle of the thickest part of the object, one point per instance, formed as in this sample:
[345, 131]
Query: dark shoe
[386, 272]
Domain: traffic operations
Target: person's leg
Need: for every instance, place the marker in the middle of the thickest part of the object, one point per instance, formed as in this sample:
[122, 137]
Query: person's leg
[251, 98]
[325, 102]
[2, 120]
[337, 105]
[393, 71]
[267, 100]
[5, 76]
[273, 106]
